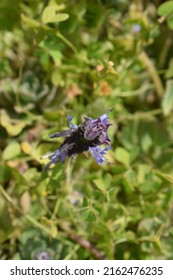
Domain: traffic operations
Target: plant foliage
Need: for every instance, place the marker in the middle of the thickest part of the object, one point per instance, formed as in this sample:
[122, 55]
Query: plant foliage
[80, 58]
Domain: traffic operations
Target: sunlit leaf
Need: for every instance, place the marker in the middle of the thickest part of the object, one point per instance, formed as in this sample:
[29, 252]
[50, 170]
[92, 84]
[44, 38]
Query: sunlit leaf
[50, 14]
[146, 142]
[165, 9]
[11, 151]
[26, 148]
[122, 156]
[100, 184]
[170, 21]
[13, 126]
[107, 180]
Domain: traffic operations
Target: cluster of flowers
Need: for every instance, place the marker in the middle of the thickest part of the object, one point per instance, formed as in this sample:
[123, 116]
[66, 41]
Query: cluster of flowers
[88, 136]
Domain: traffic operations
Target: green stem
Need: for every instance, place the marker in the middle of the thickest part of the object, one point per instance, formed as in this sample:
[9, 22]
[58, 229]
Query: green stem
[66, 41]
[6, 195]
[140, 91]
[141, 115]
[36, 24]
[37, 224]
[153, 73]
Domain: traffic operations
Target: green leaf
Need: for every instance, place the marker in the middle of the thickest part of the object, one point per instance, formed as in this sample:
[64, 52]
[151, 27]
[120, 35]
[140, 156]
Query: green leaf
[165, 9]
[169, 71]
[143, 169]
[134, 152]
[84, 215]
[122, 156]
[157, 244]
[146, 142]
[170, 21]
[164, 176]
[11, 151]
[56, 55]
[167, 103]
[92, 217]
[85, 202]
[107, 180]
[50, 15]
[99, 184]
[12, 126]
[57, 78]
[21, 182]
[155, 241]
[5, 173]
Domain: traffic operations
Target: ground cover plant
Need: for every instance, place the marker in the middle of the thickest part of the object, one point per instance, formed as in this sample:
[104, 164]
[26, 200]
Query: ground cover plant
[81, 58]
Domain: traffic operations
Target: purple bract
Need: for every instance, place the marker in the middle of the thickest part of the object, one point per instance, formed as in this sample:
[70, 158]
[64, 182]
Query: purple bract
[88, 136]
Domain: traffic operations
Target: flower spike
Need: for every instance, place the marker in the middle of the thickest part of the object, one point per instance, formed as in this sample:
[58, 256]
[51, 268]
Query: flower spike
[88, 136]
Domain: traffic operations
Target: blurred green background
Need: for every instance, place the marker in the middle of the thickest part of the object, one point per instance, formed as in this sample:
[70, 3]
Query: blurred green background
[82, 58]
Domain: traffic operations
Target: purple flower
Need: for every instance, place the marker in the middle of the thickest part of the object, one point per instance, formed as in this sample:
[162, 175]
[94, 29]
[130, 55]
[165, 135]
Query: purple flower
[88, 136]
[99, 153]
[136, 28]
